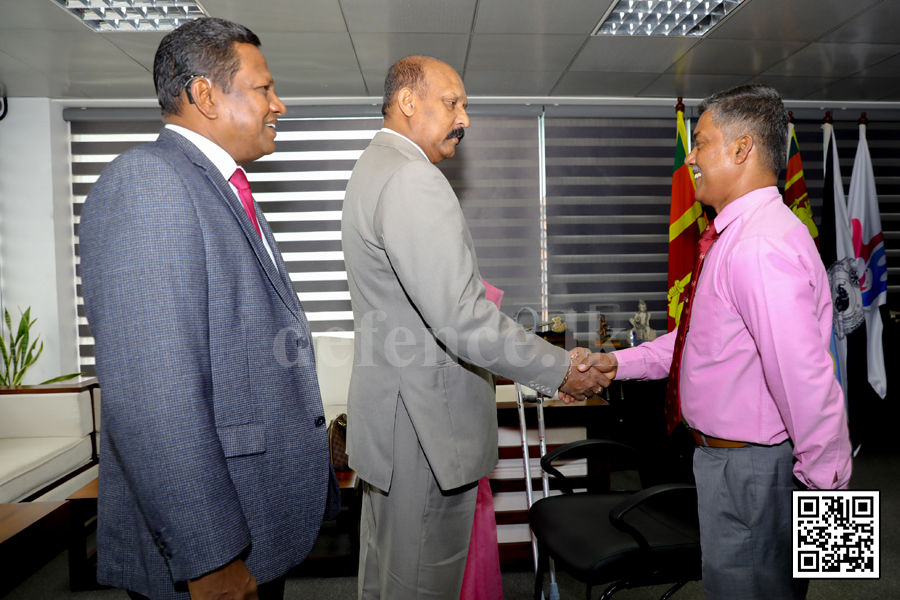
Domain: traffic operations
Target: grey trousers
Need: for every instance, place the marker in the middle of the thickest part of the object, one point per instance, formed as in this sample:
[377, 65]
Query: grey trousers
[745, 522]
[414, 539]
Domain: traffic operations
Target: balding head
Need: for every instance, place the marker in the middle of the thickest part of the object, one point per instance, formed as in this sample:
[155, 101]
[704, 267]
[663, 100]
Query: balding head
[407, 72]
[425, 101]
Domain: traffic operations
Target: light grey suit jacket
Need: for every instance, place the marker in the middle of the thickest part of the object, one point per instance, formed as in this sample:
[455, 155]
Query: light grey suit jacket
[424, 330]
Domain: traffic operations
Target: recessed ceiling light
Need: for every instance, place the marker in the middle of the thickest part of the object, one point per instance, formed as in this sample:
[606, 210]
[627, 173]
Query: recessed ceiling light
[133, 15]
[664, 17]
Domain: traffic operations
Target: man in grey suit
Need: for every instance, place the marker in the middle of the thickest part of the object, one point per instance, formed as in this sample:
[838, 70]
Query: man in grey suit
[214, 473]
[422, 413]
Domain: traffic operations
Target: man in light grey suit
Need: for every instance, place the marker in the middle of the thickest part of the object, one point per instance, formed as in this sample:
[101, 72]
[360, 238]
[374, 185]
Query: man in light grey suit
[214, 466]
[422, 413]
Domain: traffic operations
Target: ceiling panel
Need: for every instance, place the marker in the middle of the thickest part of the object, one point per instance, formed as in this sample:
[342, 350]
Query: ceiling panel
[887, 68]
[803, 21]
[670, 85]
[795, 88]
[63, 50]
[514, 47]
[9, 65]
[510, 83]
[374, 81]
[36, 85]
[308, 52]
[109, 85]
[280, 15]
[877, 25]
[540, 16]
[732, 57]
[522, 52]
[585, 83]
[858, 88]
[378, 51]
[833, 59]
[319, 83]
[640, 54]
[139, 46]
[405, 16]
[36, 14]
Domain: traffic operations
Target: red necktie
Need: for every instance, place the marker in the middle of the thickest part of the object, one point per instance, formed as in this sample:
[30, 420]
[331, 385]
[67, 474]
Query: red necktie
[673, 399]
[239, 180]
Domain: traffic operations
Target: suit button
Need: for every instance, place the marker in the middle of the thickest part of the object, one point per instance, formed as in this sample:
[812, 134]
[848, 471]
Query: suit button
[302, 341]
[320, 420]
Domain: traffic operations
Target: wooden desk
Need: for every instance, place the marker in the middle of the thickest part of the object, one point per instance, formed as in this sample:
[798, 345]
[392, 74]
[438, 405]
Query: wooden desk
[82, 522]
[30, 536]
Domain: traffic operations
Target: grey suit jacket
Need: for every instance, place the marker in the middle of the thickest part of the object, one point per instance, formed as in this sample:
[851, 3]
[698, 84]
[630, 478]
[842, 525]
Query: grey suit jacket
[214, 443]
[424, 330]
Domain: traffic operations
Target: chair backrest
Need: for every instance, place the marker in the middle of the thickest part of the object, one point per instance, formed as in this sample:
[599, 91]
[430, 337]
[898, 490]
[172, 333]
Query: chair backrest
[334, 363]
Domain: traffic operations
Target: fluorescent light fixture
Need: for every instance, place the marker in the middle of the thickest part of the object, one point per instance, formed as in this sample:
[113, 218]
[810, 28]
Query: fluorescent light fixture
[133, 15]
[664, 17]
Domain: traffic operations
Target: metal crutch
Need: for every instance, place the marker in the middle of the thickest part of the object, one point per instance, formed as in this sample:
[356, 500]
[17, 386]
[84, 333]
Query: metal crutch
[520, 404]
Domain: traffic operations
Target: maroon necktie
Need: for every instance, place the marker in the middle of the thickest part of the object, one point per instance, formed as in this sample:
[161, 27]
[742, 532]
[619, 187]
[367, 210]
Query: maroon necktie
[239, 180]
[673, 399]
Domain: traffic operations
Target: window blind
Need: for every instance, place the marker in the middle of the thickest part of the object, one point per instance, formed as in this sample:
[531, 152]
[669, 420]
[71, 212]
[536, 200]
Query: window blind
[300, 188]
[495, 175]
[607, 181]
[608, 194]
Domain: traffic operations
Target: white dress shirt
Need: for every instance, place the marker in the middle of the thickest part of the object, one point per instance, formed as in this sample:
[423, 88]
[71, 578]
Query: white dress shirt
[221, 160]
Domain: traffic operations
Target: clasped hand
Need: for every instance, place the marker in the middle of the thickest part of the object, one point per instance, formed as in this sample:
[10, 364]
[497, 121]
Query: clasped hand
[589, 373]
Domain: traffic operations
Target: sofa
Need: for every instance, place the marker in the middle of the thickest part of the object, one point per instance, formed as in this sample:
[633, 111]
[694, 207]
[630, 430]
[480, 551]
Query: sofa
[45, 439]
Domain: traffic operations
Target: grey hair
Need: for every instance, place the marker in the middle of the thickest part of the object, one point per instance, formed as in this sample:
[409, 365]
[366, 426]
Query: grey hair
[407, 72]
[755, 109]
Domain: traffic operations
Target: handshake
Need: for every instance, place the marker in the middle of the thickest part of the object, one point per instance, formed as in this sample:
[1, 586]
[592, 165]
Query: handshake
[588, 374]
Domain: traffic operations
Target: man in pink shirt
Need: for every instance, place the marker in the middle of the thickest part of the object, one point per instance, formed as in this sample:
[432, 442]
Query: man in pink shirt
[756, 387]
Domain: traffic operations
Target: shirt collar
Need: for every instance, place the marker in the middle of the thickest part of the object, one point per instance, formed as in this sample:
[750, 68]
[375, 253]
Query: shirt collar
[217, 155]
[386, 130]
[757, 197]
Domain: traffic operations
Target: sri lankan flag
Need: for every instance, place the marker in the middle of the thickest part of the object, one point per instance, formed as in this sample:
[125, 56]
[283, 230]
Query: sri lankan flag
[795, 195]
[686, 222]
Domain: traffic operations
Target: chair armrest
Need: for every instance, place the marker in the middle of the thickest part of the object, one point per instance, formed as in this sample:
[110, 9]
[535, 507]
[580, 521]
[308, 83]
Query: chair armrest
[618, 512]
[582, 448]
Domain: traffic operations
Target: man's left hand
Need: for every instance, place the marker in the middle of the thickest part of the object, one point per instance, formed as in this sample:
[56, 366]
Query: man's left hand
[231, 582]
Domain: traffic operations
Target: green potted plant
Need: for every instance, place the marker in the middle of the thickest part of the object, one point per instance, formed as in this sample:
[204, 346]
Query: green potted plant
[18, 356]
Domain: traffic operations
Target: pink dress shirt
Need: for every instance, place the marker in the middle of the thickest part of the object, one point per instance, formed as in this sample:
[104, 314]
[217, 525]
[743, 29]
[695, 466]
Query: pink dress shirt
[756, 366]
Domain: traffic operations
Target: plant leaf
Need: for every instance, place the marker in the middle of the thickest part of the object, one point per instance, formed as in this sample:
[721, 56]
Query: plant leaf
[41, 349]
[30, 359]
[23, 348]
[24, 323]
[62, 378]
[8, 323]
[3, 350]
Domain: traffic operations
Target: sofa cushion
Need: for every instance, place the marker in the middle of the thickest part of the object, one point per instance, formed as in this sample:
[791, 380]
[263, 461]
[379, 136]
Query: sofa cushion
[46, 415]
[31, 463]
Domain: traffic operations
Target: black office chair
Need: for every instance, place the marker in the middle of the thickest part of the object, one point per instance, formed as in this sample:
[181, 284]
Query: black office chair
[631, 539]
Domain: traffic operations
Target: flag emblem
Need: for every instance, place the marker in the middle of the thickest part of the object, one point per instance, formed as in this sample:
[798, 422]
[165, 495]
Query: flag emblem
[848, 305]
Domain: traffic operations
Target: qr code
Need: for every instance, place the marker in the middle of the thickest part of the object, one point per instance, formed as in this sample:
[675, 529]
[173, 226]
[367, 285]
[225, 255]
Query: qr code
[836, 534]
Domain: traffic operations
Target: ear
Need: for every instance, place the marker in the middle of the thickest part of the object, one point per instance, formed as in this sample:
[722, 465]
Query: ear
[406, 101]
[202, 92]
[742, 148]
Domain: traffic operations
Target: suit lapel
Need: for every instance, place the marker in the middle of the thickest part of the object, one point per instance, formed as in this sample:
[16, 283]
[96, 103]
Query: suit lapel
[281, 283]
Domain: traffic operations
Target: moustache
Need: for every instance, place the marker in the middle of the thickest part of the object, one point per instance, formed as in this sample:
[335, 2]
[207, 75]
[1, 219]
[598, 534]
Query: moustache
[457, 133]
